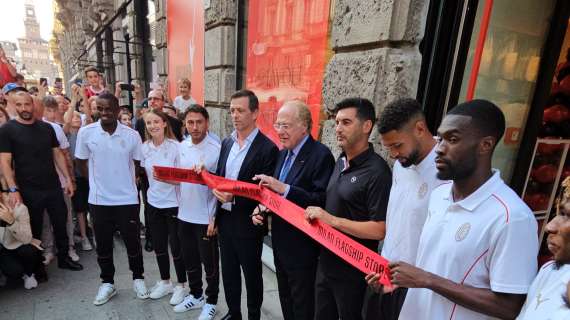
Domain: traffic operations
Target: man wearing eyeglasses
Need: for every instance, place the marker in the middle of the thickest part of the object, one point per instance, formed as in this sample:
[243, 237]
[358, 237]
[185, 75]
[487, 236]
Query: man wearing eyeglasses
[303, 169]
[156, 101]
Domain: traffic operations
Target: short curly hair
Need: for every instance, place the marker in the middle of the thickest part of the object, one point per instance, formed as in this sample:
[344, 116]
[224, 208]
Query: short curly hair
[399, 113]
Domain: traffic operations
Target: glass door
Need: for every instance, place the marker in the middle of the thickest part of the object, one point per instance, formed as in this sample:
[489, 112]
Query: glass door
[508, 64]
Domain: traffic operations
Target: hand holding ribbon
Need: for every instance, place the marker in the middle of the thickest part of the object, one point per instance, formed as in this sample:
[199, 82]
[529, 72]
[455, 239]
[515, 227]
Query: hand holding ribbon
[337, 242]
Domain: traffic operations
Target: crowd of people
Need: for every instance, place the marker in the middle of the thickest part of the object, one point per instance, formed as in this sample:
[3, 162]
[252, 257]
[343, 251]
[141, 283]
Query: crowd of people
[461, 244]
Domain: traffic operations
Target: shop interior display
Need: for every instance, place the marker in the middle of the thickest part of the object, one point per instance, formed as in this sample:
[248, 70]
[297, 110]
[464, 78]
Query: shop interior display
[551, 163]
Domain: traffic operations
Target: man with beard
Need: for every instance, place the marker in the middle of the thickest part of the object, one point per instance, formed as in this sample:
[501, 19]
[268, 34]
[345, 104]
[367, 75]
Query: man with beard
[477, 251]
[404, 133]
[356, 201]
[32, 147]
[548, 296]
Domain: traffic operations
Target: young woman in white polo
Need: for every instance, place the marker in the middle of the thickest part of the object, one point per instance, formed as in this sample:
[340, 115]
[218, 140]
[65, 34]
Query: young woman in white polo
[161, 149]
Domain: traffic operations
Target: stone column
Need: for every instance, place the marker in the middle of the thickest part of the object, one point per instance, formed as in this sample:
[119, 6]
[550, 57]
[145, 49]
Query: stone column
[220, 61]
[376, 54]
[160, 52]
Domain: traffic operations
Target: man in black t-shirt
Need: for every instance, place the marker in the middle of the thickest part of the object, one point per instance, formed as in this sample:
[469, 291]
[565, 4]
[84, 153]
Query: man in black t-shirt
[33, 148]
[356, 204]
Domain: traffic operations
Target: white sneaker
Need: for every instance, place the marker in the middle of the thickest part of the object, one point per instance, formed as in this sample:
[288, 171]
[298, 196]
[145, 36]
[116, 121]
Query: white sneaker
[30, 282]
[106, 292]
[178, 295]
[73, 255]
[208, 312]
[190, 303]
[161, 289]
[86, 245]
[48, 258]
[140, 289]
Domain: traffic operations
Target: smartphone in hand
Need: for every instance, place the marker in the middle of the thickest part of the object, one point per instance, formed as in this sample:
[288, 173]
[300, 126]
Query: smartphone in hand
[127, 87]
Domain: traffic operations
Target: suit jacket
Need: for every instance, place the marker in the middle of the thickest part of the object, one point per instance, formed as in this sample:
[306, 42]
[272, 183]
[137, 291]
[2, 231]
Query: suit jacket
[308, 179]
[260, 159]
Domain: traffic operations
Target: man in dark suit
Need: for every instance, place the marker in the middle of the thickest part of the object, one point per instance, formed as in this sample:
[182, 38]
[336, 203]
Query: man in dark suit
[245, 153]
[303, 169]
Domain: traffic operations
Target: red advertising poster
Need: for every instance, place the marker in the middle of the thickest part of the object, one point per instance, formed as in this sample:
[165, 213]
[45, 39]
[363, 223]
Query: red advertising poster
[185, 40]
[286, 56]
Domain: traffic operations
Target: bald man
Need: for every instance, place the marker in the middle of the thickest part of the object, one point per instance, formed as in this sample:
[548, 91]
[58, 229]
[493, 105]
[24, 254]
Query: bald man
[33, 148]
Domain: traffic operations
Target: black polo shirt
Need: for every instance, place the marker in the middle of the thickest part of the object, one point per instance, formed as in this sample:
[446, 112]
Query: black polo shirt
[358, 191]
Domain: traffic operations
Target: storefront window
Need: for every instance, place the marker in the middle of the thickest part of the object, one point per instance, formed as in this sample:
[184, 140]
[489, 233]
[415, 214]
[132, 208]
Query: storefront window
[509, 67]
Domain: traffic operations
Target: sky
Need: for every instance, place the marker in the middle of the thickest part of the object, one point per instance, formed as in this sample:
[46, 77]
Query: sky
[12, 21]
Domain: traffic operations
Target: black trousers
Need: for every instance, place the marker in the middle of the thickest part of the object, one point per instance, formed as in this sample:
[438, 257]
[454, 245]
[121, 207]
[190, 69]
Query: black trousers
[296, 290]
[198, 250]
[23, 260]
[338, 296]
[143, 186]
[51, 201]
[164, 227]
[378, 306]
[106, 219]
[244, 253]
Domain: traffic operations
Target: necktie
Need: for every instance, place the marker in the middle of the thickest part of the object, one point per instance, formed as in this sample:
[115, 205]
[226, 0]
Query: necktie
[286, 166]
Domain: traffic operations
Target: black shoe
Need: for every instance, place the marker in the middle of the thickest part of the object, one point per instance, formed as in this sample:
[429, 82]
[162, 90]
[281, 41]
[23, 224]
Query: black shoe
[41, 274]
[67, 263]
[229, 316]
[148, 245]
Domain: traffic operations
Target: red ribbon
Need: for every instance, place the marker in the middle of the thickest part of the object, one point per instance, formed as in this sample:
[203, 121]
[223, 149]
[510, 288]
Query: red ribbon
[340, 244]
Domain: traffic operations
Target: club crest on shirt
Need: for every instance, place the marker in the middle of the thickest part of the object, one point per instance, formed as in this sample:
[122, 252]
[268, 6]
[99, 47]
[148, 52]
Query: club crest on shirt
[462, 232]
[423, 190]
[353, 179]
[123, 144]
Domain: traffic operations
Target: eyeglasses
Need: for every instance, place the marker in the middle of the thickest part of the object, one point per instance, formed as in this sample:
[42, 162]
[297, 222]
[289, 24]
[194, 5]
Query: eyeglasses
[284, 126]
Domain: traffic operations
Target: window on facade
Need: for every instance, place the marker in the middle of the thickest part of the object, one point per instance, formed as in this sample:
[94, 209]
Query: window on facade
[509, 66]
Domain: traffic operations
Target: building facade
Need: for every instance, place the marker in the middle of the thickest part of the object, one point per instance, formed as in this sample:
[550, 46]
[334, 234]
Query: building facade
[35, 56]
[10, 49]
[440, 52]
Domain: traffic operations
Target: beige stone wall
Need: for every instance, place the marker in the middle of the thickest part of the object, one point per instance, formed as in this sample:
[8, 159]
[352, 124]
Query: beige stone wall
[376, 54]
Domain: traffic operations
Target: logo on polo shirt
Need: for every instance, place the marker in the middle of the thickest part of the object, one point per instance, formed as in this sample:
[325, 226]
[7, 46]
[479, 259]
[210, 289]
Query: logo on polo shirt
[423, 190]
[353, 179]
[462, 232]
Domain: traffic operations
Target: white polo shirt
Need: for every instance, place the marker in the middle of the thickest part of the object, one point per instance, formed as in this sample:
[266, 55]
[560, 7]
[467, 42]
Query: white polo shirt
[160, 195]
[544, 299]
[487, 240]
[408, 208]
[111, 158]
[197, 202]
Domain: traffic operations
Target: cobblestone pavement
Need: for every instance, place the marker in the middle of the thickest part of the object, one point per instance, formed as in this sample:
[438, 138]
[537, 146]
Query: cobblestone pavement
[68, 295]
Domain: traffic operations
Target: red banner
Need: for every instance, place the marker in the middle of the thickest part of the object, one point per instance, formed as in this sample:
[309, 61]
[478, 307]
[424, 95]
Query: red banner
[185, 39]
[340, 244]
[286, 56]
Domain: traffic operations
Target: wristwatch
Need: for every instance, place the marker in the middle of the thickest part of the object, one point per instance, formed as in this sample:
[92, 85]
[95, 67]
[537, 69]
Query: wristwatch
[13, 189]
